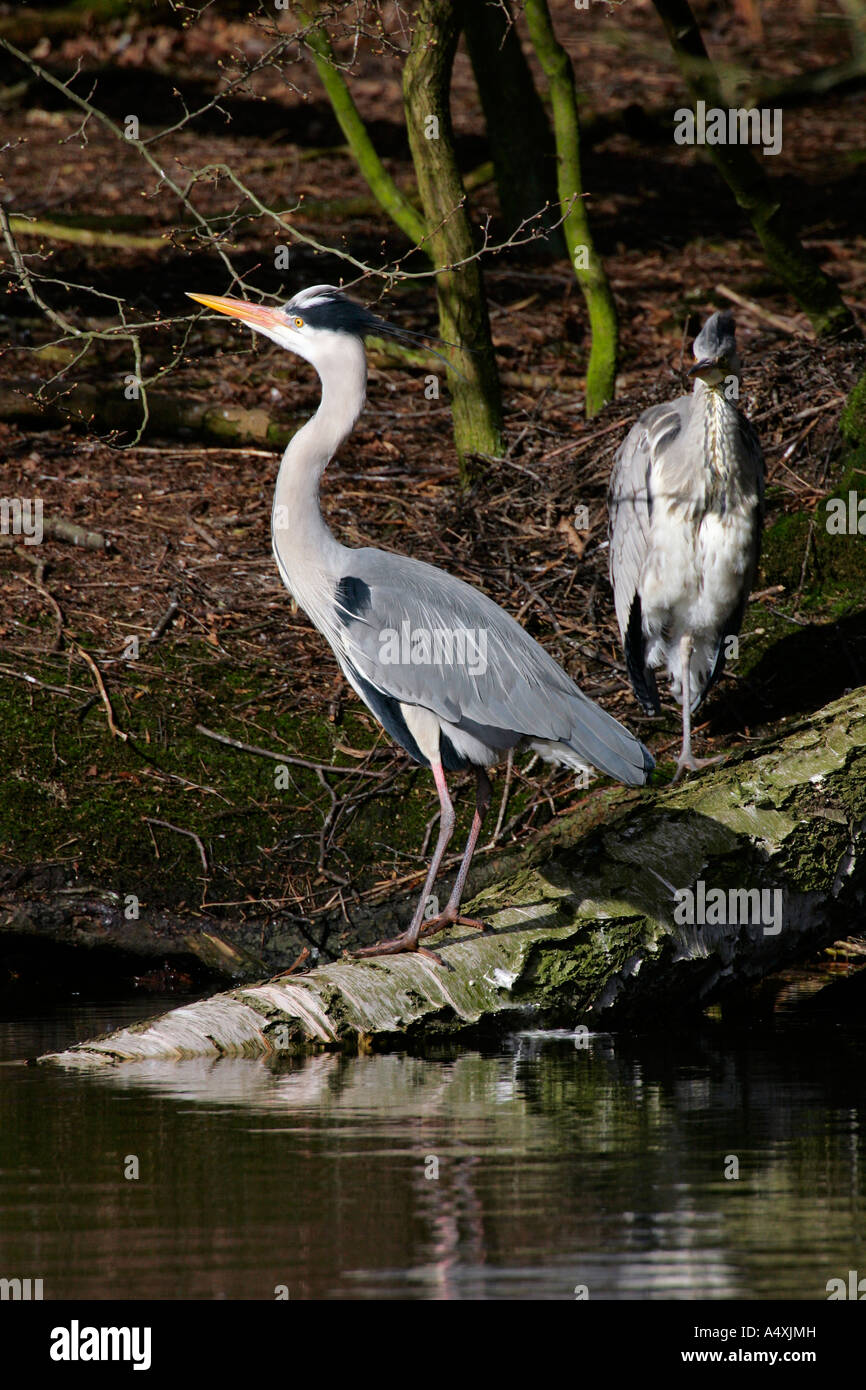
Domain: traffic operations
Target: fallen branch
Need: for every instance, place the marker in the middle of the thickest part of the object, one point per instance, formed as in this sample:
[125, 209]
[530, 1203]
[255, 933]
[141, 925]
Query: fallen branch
[165, 621]
[106, 410]
[84, 236]
[59, 529]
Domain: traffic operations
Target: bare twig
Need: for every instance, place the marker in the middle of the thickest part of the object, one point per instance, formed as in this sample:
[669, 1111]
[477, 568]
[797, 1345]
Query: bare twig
[286, 757]
[165, 621]
[503, 805]
[103, 693]
[167, 825]
[785, 325]
[40, 685]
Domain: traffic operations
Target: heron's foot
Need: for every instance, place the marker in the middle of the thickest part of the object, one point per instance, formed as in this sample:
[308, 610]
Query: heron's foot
[394, 947]
[451, 918]
[407, 942]
[687, 762]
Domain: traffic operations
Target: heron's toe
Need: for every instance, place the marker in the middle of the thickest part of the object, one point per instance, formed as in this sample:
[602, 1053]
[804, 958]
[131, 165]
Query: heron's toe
[689, 763]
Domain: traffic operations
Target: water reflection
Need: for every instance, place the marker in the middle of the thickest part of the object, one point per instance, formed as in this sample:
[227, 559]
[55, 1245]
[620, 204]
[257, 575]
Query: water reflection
[528, 1173]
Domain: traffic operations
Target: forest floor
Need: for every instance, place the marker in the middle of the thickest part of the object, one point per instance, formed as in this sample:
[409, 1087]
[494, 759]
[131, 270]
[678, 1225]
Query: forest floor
[307, 857]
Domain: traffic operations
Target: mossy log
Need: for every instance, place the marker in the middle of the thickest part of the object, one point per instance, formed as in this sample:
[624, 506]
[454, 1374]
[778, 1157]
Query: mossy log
[169, 416]
[587, 929]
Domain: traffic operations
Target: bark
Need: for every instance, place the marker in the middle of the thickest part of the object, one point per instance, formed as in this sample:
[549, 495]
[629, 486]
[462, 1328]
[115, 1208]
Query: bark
[584, 927]
[815, 291]
[521, 140]
[463, 317]
[591, 276]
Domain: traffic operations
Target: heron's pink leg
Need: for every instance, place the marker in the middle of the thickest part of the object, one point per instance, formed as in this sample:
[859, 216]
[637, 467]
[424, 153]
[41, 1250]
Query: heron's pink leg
[408, 940]
[451, 913]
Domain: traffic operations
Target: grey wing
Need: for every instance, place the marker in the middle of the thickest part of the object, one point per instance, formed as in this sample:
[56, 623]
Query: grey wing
[630, 499]
[418, 636]
[633, 484]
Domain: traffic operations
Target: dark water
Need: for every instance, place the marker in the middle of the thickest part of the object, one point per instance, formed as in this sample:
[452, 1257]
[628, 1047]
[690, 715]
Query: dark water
[558, 1166]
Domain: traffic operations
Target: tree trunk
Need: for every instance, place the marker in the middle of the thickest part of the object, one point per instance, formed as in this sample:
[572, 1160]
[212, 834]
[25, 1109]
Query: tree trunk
[463, 317]
[592, 926]
[815, 291]
[588, 267]
[521, 140]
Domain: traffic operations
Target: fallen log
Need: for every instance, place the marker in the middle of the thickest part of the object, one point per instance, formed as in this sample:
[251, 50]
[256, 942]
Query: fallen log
[95, 408]
[684, 897]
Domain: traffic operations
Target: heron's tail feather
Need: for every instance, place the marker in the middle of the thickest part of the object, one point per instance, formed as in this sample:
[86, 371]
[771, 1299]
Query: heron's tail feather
[599, 740]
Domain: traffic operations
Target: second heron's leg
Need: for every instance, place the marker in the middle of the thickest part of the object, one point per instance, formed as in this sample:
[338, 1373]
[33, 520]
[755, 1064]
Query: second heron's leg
[687, 759]
[408, 940]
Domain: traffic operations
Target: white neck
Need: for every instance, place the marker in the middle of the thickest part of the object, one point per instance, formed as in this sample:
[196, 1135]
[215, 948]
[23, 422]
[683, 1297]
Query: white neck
[303, 544]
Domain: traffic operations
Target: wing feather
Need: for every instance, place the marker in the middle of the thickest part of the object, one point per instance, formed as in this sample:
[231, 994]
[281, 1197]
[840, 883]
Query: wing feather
[630, 499]
[479, 670]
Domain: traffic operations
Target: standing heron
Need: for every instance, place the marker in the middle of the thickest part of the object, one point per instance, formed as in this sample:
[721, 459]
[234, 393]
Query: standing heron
[686, 510]
[451, 676]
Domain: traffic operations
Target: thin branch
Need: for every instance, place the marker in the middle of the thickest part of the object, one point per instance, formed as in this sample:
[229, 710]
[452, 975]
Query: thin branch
[167, 825]
[103, 693]
[285, 757]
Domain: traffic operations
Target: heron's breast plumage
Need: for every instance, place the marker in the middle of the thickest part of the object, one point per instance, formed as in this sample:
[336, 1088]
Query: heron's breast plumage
[703, 538]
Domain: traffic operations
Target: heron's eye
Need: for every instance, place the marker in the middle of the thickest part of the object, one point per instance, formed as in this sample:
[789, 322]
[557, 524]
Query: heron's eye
[299, 323]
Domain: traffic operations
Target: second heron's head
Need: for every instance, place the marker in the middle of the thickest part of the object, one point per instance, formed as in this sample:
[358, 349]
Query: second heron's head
[715, 350]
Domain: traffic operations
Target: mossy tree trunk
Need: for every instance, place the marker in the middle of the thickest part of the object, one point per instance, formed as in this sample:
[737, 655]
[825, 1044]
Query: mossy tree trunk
[521, 139]
[815, 291]
[588, 267]
[463, 317]
[591, 926]
[381, 185]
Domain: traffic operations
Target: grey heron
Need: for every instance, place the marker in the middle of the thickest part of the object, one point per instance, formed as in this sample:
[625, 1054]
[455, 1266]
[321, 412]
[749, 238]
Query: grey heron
[686, 511]
[449, 674]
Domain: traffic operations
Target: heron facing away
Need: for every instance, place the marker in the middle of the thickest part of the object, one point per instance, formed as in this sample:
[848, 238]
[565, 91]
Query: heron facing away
[450, 676]
[686, 511]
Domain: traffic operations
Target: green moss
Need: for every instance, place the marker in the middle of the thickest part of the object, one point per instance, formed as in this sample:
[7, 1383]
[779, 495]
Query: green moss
[77, 797]
[833, 572]
[852, 422]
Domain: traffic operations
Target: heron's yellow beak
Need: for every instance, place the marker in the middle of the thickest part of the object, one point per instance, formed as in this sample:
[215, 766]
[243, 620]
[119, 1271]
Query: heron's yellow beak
[256, 315]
